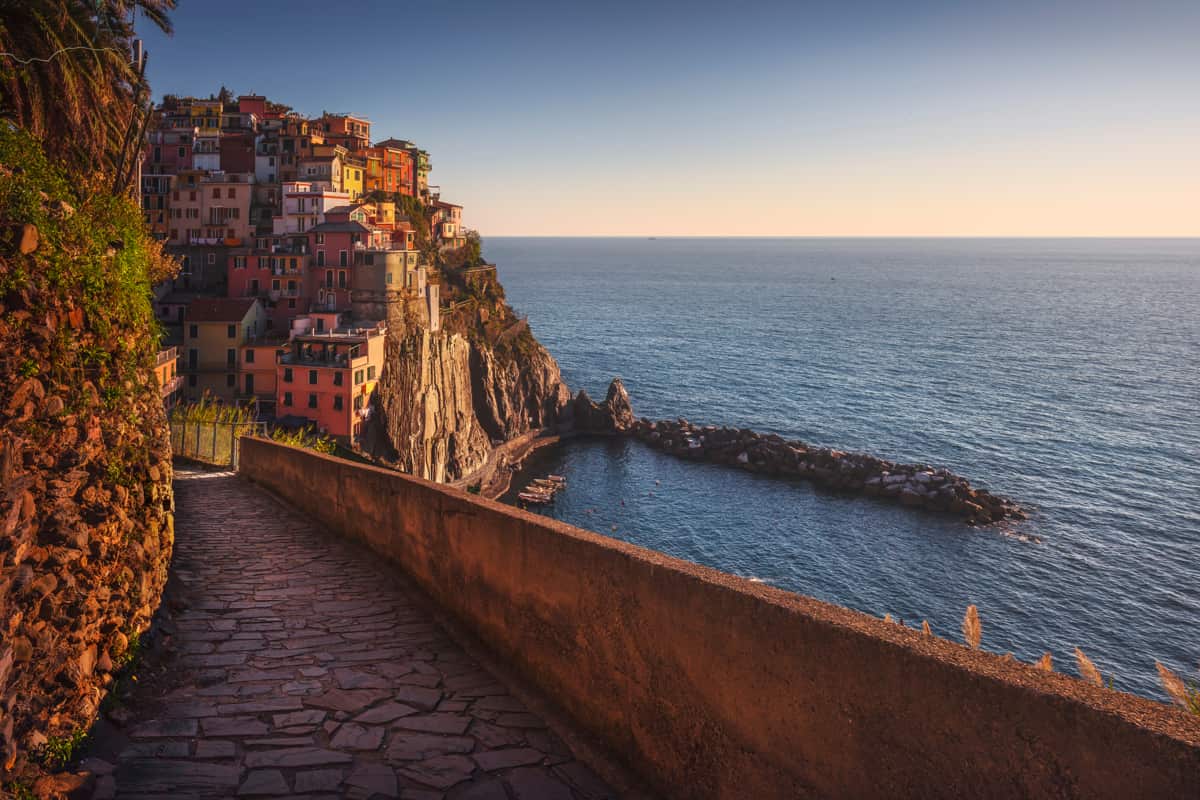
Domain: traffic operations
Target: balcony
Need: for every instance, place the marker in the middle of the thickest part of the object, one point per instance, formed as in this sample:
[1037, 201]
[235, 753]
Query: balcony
[166, 354]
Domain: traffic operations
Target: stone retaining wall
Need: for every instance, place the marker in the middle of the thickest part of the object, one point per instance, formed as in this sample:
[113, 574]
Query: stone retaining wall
[712, 686]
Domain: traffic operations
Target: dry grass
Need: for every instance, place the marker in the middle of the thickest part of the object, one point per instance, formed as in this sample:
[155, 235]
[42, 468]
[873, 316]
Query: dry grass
[1087, 670]
[972, 628]
[1187, 697]
[925, 629]
[1045, 663]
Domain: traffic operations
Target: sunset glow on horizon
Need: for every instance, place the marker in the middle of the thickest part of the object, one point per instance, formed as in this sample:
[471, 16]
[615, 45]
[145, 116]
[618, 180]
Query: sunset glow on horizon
[873, 119]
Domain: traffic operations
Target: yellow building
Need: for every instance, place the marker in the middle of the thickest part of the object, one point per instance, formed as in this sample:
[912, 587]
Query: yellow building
[214, 329]
[206, 116]
[354, 172]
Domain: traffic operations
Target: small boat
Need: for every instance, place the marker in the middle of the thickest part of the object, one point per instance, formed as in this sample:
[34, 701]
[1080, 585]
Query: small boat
[533, 498]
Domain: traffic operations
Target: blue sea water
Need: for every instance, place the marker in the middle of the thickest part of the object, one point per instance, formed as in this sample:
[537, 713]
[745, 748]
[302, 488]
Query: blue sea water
[1061, 373]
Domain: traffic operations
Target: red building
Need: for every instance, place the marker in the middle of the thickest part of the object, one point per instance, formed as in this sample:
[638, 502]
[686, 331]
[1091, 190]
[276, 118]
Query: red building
[279, 280]
[237, 152]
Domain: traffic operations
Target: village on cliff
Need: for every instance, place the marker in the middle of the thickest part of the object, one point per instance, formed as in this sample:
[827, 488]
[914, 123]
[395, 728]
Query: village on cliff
[293, 235]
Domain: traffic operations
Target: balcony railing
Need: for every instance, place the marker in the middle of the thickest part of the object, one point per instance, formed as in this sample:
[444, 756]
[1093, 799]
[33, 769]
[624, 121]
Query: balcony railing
[167, 354]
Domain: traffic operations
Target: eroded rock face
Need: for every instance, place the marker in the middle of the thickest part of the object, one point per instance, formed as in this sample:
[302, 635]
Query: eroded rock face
[614, 415]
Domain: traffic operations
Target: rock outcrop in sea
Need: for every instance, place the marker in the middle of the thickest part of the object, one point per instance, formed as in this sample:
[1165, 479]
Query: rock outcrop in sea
[614, 415]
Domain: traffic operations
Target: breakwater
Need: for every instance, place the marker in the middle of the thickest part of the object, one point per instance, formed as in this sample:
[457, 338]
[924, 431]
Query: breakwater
[914, 485]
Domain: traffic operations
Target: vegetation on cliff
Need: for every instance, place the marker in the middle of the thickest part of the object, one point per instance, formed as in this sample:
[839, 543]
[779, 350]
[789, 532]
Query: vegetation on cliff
[86, 525]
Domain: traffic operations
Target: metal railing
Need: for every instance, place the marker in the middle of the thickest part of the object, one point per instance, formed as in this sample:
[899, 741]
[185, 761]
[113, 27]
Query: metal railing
[212, 442]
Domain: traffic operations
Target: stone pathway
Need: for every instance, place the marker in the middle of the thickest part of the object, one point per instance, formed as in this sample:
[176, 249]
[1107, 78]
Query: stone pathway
[305, 667]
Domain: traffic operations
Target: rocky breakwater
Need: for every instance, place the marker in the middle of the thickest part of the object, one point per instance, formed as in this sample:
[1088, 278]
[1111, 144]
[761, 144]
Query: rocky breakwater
[914, 485]
[86, 526]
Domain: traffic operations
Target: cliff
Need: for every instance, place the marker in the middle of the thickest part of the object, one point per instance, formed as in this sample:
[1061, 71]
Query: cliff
[446, 398]
[86, 526]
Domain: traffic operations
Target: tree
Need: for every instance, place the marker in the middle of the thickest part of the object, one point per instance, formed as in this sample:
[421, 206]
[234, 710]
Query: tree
[66, 74]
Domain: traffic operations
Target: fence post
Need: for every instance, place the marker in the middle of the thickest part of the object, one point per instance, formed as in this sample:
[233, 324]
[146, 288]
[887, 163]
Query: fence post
[233, 447]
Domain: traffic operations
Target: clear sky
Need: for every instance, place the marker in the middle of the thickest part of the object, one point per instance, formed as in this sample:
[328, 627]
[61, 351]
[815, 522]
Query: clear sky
[897, 118]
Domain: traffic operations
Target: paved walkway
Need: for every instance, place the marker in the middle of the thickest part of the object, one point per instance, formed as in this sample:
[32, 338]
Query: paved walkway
[305, 667]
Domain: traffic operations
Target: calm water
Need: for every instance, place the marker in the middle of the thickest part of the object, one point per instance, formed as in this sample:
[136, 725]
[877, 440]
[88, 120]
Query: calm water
[1062, 373]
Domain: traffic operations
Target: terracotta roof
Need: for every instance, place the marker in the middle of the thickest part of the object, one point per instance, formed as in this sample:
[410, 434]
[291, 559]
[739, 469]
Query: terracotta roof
[219, 309]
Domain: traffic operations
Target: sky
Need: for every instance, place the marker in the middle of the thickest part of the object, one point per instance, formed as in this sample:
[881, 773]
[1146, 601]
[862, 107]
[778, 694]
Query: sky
[745, 118]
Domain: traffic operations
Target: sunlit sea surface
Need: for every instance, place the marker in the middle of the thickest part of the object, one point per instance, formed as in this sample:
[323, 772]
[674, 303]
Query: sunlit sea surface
[1062, 373]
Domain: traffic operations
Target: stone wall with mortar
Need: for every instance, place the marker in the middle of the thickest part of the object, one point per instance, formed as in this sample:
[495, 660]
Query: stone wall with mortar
[712, 686]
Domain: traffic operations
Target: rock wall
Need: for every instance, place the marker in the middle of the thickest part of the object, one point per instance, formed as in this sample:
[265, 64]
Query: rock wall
[86, 526]
[446, 398]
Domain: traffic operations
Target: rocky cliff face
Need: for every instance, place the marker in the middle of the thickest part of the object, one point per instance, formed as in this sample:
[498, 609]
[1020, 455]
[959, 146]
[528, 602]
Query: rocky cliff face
[86, 526]
[446, 398]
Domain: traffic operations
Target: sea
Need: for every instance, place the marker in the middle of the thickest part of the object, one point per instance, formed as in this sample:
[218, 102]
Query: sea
[1062, 373]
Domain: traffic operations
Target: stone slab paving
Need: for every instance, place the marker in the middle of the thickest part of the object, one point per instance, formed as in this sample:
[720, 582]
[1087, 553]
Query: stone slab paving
[304, 667]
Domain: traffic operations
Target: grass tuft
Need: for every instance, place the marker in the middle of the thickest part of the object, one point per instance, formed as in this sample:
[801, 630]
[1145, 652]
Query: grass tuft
[972, 628]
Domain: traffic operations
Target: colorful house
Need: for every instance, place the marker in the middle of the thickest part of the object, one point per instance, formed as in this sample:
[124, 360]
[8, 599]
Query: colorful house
[213, 209]
[214, 329]
[257, 369]
[328, 376]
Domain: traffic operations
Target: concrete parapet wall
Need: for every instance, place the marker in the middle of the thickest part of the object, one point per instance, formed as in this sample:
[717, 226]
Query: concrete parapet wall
[712, 686]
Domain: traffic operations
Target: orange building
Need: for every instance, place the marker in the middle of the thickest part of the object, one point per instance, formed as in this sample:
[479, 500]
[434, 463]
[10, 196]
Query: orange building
[257, 364]
[352, 133]
[166, 372]
[327, 376]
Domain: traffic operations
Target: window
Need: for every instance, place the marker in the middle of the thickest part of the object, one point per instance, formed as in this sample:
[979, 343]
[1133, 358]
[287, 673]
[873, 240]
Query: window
[371, 373]
[320, 258]
[193, 331]
[389, 277]
[191, 380]
[249, 356]
[254, 286]
[287, 375]
[312, 400]
[249, 384]
[175, 195]
[312, 377]
[287, 398]
[231, 357]
[321, 239]
[320, 324]
[230, 379]
[231, 193]
[338, 379]
[341, 279]
[239, 262]
[337, 403]
[358, 403]
[358, 377]
[293, 264]
[231, 331]
[216, 192]
[341, 258]
[292, 302]
[181, 152]
[328, 279]
[212, 258]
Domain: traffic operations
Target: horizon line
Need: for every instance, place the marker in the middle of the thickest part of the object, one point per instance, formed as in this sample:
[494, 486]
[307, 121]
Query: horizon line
[827, 236]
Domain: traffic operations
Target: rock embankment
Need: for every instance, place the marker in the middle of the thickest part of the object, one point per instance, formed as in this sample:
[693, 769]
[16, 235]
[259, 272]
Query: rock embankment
[915, 485]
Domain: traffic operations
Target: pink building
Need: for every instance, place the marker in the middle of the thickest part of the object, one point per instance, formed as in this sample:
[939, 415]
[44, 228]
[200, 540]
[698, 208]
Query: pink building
[278, 279]
[212, 209]
[328, 376]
